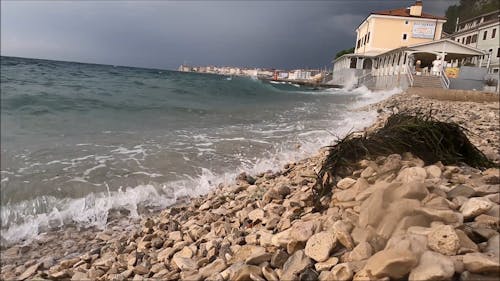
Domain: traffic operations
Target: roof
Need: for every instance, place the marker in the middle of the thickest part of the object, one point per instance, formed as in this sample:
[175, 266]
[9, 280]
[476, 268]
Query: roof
[479, 16]
[405, 12]
[447, 45]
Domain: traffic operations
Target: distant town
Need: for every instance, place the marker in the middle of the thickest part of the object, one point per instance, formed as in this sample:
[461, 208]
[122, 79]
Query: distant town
[307, 76]
[406, 48]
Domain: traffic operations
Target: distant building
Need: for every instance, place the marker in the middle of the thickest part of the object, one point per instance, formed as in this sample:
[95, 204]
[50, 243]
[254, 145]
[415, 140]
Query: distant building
[482, 32]
[387, 30]
[398, 47]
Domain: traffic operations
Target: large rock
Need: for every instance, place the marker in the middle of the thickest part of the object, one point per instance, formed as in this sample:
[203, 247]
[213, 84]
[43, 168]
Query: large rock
[466, 244]
[391, 263]
[407, 175]
[296, 264]
[341, 230]
[493, 246]
[345, 183]
[184, 264]
[415, 243]
[29, 271]
[247, 252]
[361, 252]
[433, 266]
[443, 239]
[216, 266]
[256, 215]
[475, 206]
[481, 263]
[302, 231]
[433, 172]
[461, 190]
[319, 246]
[245, 273]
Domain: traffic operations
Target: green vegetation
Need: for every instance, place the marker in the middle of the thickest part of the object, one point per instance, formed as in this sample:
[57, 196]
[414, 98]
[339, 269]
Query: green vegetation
[467, 9]
[414, 132]
[343, 52]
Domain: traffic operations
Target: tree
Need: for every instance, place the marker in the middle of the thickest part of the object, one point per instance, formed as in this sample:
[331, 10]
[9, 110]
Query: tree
[343, 52]
[468, 9]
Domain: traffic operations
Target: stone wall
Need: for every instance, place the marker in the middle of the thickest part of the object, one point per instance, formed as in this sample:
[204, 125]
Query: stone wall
[454, 94]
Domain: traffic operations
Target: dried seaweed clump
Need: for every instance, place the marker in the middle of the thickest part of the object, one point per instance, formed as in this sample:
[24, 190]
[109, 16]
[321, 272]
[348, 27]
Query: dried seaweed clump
[429, 139]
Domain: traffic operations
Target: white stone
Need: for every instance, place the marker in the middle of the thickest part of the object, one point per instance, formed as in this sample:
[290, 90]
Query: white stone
[407, 175]
[443, 239]
[433, 266]
[475, 206]
[319, 246]
[345, 183]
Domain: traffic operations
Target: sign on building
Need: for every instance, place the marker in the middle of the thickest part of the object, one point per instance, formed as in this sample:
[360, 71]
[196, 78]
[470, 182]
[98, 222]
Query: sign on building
[424, 30]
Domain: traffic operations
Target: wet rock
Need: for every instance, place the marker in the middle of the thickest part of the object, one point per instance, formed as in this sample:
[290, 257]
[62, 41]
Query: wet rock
[433, 266]
[308, 275]
[443, 239]
[475, 206]
[391, 263]
[295, 265]
[279, 258]
[320, 245]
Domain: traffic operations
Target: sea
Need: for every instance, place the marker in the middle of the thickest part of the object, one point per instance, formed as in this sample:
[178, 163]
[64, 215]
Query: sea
[79, 141]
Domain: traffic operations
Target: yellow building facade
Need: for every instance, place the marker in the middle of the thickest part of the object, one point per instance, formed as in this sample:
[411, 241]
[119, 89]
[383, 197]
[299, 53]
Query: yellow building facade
[391, 29]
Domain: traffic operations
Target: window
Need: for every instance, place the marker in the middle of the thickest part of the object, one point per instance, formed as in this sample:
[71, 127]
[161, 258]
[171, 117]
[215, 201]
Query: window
[463, 40]
[485, 34]
[494, 33]
[405, 36]
[406, 22]
[359, 43]
[474, 38]
[368, 38]
[498, 53]
[458, 40]
[364, 40]
[468, 40]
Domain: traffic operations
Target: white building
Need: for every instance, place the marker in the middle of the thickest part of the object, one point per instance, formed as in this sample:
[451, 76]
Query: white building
[482, 32]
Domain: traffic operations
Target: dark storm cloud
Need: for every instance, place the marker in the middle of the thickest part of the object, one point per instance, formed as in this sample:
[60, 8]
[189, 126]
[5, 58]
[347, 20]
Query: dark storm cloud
[164, 34]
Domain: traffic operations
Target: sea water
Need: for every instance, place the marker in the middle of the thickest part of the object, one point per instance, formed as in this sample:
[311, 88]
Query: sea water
[79, 140]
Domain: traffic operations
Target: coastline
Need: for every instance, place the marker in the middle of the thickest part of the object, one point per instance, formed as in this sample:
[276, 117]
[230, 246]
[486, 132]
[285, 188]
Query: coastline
[259, 226]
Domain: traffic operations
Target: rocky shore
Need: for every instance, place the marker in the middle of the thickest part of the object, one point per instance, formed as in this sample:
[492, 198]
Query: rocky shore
[393, 219]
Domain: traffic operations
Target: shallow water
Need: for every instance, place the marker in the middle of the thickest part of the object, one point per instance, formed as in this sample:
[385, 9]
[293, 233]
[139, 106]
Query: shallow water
[79, 140]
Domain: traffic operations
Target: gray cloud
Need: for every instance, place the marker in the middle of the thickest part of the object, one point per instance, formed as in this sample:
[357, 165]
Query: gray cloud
[164, 34]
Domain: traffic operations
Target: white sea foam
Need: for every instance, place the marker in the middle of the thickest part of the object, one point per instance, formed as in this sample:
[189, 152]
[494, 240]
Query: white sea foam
[94, 209]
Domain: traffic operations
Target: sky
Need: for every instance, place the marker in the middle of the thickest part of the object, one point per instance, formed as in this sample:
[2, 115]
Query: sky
[165, 34]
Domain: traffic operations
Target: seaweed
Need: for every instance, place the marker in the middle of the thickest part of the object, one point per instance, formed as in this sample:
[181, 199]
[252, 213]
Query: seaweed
[421, 134]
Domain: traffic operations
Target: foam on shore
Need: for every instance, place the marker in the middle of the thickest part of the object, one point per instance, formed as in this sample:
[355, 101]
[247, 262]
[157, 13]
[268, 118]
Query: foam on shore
[93, 210]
